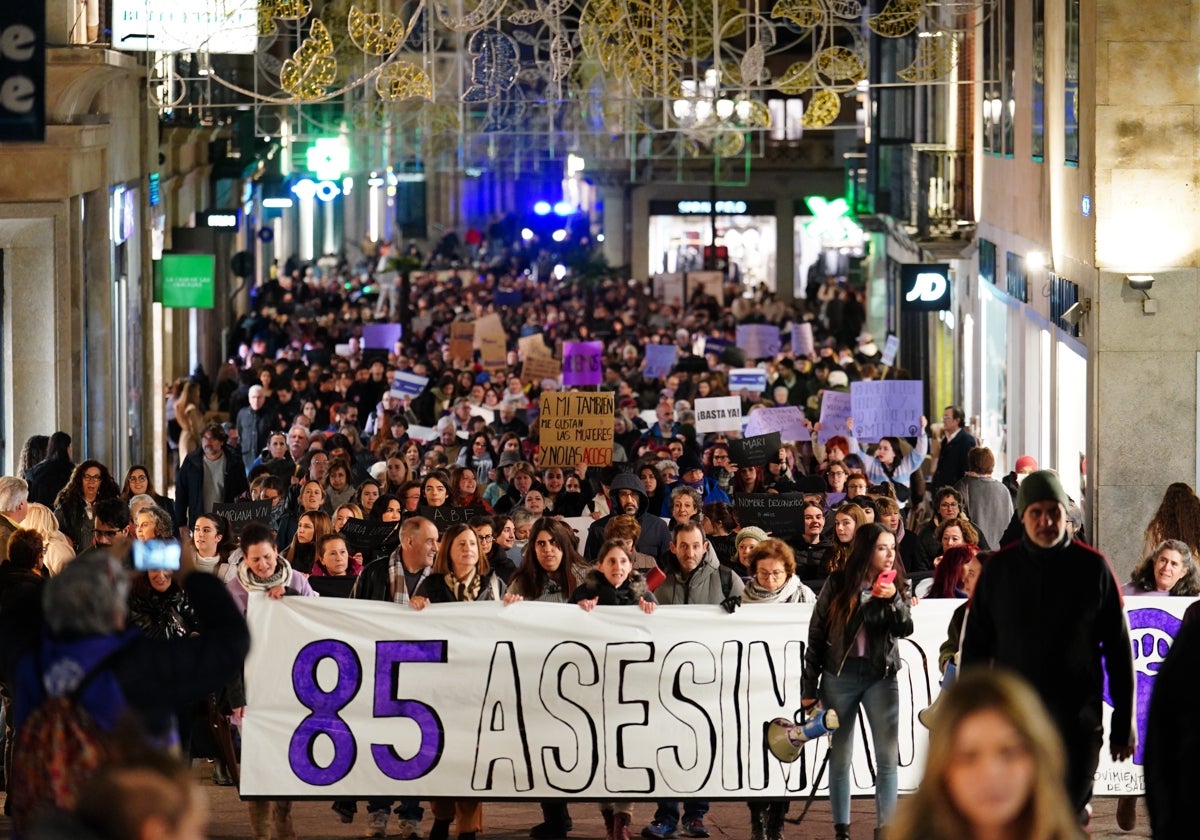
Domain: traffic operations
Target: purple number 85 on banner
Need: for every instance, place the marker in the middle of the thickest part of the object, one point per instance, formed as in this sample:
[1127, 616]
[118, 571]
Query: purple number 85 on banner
[326, 706]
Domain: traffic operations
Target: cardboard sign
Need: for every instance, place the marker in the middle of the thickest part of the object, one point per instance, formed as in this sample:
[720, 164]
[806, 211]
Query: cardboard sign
[713, 283]
[533, 345]
[892, 407]
[576, 427]
[659, 360]
[835, 408]
[718, 414]
[889, 351]
[668, 288]
[445, 516]
[408, 384]
[748, 379]
[583, 363]
[492, 342]
[536, 368]
[462, 340]
[240, 513]
[380, 336]
[776, 513]
[802, 340]
[755, 450]
[365, 537]
[760, 341]
[788, 420]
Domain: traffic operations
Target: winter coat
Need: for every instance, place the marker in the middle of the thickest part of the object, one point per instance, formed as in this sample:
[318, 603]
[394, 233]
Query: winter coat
[885, 621]
[989, 505]
[435, 588]
[709, 583]
[628, 594]
[189, 484]
[655, 539]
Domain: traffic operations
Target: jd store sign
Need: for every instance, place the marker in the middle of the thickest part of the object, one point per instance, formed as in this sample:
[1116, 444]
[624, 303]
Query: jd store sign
[925, 287]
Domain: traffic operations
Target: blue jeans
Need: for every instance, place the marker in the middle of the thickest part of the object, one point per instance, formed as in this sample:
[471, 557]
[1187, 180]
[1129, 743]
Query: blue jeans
[880, 698]
[668, 811]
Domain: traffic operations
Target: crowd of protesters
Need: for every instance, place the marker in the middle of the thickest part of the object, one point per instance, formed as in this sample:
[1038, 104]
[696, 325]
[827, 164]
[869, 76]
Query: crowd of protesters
[304, 420]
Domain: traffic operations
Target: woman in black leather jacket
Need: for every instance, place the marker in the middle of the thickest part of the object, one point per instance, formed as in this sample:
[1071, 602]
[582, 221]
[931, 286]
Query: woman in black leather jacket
[861, 612]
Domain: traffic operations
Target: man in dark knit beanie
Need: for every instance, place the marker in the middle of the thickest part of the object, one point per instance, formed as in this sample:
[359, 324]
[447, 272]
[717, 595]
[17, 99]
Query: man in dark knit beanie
[1049, 608]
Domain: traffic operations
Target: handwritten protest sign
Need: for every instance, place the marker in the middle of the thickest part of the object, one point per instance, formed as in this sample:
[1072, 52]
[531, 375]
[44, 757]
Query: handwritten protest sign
[889, 351]
[365, 537]
[659, 359]
[346, 349]
[718, 414]
[533, 345]
[760, 341]
[748, 379]
[445, 516]
[755, 450]
[239, 513]
[776, 513]
[835, 408]
[893, 407]
[462, 340]
[536, 368]
[788, 420]
[408, 384]
[423, 433]
[583, 363]
[668, 288]
[576, 427]
[802, 340]
[492, 342]
[380, 336]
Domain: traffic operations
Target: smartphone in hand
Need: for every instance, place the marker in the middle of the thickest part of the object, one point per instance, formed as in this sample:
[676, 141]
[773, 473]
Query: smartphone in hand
[886, 577]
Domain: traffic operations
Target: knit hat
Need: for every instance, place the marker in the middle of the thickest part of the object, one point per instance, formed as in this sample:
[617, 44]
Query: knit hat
[1025, 462]
[688, 462]
[509, 457]
[1041, 486]
[750, 533]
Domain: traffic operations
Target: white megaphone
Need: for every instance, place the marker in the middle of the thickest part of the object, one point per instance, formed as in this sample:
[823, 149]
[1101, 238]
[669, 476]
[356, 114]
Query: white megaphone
[785, 738]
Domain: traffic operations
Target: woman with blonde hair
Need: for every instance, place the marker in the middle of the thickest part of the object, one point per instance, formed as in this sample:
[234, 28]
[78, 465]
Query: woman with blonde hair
[190, 416]
[58, 548]
[994, 770]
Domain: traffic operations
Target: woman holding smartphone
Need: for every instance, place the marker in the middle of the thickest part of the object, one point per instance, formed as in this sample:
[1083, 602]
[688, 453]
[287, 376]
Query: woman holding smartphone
[852, 659]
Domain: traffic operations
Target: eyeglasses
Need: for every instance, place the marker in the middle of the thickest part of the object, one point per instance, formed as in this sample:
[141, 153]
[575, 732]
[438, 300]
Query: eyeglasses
[485, 537]
[772, 575]
[91, 476]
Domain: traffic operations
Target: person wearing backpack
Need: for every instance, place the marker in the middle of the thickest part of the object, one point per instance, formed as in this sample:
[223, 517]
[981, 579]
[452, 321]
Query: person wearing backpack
[88, 673]
[695, 577]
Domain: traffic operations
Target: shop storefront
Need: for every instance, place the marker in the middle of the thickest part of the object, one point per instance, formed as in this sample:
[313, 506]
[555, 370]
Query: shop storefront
[681, 231]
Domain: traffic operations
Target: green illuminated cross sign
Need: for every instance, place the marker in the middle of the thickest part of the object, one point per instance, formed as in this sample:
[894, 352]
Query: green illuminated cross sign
[833, 222]
[328, 158]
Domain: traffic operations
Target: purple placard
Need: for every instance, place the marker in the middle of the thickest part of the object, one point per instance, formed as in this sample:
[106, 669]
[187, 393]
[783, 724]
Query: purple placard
[802, 340]
[760, 341]
[787, 420]
[835, 408]
[891, 407]
[659, 360]
[380, 336]
[582, 363]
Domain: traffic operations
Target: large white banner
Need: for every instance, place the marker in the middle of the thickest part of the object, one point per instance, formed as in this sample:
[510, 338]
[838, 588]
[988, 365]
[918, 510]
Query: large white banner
[352, 699]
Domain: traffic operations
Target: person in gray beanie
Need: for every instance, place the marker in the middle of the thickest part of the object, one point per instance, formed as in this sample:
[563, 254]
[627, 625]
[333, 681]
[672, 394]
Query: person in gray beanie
[1048, 607]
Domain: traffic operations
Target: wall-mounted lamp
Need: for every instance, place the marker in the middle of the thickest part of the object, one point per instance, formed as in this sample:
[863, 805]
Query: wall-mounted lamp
[1035, 261]
[1143, 283]
[1076, 311]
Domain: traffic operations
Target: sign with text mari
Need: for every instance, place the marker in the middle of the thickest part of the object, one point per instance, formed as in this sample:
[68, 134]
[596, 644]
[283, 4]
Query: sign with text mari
[576, 427]
[188, 280]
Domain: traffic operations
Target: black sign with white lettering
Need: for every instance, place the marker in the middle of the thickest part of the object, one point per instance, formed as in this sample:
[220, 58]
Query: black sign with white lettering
[445, 516]
[755, 450]
[23, 71]
[240, 513]
[776, 513]
[364, 537]
[925, 287]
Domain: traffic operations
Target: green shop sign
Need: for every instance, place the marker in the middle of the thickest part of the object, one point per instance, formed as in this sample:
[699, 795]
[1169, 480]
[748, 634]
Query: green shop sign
[188, 281]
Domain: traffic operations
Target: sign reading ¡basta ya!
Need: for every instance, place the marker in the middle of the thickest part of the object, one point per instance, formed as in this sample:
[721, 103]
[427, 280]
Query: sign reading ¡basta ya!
[576, 427]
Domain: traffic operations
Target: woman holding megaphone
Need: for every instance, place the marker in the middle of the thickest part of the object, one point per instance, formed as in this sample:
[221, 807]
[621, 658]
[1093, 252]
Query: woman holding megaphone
[852, 659]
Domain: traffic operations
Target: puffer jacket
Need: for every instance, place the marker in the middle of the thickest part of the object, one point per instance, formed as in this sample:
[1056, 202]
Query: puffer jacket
[885, 622]
[709, 583]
